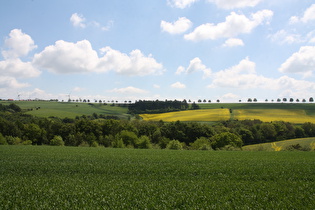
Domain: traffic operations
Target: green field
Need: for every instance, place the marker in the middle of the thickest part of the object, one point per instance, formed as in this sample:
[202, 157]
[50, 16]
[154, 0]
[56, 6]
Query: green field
[281, 145]
[70, 110]
[297, 113]
[43, 177]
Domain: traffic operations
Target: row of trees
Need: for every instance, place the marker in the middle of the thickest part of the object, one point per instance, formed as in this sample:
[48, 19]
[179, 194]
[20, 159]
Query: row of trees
[283, 100]
[16, 128]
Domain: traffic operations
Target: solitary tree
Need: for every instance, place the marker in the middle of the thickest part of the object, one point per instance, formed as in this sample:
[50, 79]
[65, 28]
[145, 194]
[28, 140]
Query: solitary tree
[311, 99]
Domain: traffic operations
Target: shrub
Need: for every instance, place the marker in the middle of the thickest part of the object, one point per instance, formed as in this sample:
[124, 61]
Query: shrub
[13, 140]
[144, 143]
[175, 145]
[3, 140]
[57, 141]
[201, 143]
[94, 144]
[27, 142]
[226, 138]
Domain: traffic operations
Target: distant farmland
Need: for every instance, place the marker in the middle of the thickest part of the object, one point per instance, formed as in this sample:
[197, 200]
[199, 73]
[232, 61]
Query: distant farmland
[294, 113]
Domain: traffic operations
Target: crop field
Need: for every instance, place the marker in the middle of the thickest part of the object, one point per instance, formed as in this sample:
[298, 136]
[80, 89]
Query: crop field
[70, 110]
[297, 116]
[190, 115]
[43, 177]
[281, 145]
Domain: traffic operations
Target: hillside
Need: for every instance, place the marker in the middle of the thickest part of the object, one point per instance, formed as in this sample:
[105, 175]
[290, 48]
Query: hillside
[281, 145]
[70, 110]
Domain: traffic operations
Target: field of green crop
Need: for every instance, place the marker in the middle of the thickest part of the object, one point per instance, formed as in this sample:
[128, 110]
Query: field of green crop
[42, 177]
[71, 110]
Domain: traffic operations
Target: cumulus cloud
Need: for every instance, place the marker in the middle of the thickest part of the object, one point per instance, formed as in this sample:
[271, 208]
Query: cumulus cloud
[284, 37]
[234, 25]
[194, 65]
[7, 82]
[180, 3]
[133, 64]
[128, 90]
[177, 27]
[244, 76]
[16, 68]
[178, 85]
[302, 61]
[233, 42]
[77, 20]
[18, 44]
[232, 4]
[309, 15]
[67, 57]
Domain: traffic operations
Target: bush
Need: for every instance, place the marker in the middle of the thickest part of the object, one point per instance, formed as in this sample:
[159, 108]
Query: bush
[13, 140]
[174, 145]
[57, 141]
[3, 140]
[27, 142]
[297, 147]
[201, 143]
[94, 144]
[223, 139]
[144, 143]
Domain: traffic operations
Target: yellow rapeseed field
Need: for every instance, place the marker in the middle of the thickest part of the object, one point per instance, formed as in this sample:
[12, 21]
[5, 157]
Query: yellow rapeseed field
[268, 115]
[190, 115]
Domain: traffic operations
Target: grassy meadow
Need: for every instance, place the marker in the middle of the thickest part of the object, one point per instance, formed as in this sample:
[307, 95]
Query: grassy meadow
[70, 110]
[43, 177]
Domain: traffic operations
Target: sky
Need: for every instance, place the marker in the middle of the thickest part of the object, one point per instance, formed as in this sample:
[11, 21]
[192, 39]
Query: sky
[227, 50]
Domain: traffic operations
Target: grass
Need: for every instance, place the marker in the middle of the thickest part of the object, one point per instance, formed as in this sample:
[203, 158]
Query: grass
[281, 145]
[42, 177]
[70, 110]
[190, 115]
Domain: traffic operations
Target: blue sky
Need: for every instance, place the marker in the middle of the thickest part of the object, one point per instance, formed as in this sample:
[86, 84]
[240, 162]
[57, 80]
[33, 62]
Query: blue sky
[157, 49]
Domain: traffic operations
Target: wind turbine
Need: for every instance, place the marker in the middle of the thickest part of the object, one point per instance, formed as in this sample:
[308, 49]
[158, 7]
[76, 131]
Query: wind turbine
[69, 100]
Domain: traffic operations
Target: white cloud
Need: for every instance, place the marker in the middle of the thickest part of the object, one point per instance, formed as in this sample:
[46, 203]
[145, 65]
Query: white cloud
[283, 37]
[128, 90]
[18, 44]
[243, 76]
[309, 15]
[233, 42]
[302, 61]
[11, 83]
[234, 25]
[232, 4]
[195, 65]
[177, 27]
[178, 85]
[156, 86]
[134, 64]
[181, 3]
[16, 68]
[67, 57]
[77, 20]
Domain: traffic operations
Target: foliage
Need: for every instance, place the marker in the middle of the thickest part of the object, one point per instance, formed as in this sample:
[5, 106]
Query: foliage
[201, 143]
[223, 139]
[57, 141]
[174, 145]
[3, 140]
[157, 106]
[97, 178]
